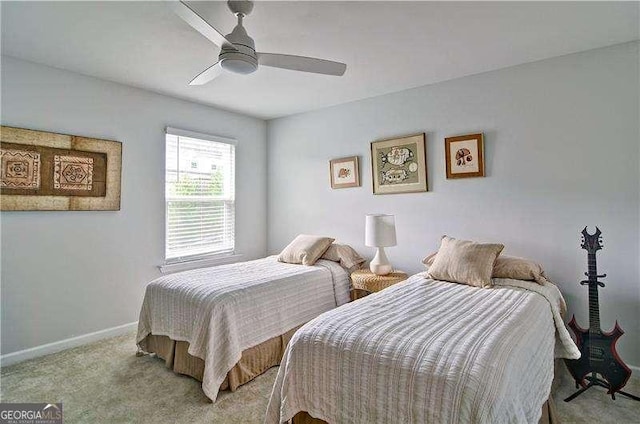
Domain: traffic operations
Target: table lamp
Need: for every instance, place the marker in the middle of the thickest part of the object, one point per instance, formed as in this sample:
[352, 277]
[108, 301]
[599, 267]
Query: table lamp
[380, 232]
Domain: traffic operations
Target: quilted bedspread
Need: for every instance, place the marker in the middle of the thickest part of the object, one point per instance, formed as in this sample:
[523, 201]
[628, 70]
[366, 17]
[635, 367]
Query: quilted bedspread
[426, 351]
[224, 310]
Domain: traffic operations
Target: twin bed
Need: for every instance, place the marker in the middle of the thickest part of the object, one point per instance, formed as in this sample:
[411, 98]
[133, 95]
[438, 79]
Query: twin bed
[230, 323]
[420, 351]
[426, 351]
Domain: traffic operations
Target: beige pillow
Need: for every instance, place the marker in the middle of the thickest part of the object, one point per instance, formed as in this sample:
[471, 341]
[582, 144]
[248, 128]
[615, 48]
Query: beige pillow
[466, 262]
[509, 267]
[518, 269]
[344, 254]
[428, 261]
[305, 249]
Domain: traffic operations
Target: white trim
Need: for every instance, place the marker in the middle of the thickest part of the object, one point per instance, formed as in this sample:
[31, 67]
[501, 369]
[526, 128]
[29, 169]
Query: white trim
[634, 368]
[199, 256]
[46, 349]
[201, 136]
[168, 268]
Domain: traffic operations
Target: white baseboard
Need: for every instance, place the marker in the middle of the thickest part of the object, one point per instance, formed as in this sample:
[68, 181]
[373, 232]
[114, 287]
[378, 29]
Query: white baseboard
[46, 349]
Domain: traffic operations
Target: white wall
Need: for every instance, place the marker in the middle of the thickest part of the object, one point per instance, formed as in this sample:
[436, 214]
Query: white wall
[562, 151]
[70, 273]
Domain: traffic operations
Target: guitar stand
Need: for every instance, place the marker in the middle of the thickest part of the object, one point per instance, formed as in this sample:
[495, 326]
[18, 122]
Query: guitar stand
[594, 381]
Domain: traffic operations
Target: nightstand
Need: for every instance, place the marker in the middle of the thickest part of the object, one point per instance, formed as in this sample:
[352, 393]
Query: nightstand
[366, 282]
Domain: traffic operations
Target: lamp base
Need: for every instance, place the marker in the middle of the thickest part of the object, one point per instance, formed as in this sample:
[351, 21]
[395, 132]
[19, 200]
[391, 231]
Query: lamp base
[380, 264]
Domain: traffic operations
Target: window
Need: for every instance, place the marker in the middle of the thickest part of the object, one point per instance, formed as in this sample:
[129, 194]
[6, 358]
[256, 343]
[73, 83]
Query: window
[200, 199]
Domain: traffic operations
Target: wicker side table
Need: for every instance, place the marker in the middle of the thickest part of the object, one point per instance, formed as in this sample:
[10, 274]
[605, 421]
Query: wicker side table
[366, 282]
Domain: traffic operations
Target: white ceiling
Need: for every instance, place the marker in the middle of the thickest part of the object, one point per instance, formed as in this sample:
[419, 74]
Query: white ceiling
[387, 46]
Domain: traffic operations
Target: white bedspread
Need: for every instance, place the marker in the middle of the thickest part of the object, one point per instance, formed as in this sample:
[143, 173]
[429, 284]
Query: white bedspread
[224, 310]
[426, 351]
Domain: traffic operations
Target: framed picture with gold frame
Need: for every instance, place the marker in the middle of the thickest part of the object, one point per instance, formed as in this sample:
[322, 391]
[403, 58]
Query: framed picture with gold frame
[345, 172]
[464, 156]
[399, 165]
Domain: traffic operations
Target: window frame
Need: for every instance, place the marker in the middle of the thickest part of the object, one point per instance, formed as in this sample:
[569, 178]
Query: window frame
[224, 256]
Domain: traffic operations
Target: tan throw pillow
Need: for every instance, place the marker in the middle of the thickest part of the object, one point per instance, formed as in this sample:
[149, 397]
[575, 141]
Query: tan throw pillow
[305, 249]
[428, 261]
[518, 269]
[465, 262]
[508, 267]
[344, 254]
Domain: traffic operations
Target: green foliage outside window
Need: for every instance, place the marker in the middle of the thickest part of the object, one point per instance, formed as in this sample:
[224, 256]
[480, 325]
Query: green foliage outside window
[187, 186]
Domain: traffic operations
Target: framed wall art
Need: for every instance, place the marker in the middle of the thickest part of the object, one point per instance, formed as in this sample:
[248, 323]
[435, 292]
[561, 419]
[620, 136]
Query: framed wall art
[345, 172]
[44, 171]
[464, 156]
[399, 165]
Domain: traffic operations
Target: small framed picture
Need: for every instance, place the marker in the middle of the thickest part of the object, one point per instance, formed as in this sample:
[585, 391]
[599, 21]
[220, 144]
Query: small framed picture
[464, 156]
[399, 165]
[345, 172]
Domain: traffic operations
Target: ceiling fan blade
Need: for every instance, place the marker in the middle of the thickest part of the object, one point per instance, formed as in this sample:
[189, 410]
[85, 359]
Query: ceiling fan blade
[207, 75]
[198, 23]
[302, 63]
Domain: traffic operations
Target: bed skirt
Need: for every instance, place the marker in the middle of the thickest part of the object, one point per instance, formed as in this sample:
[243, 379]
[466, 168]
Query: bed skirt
[254, 361]
[548, 415]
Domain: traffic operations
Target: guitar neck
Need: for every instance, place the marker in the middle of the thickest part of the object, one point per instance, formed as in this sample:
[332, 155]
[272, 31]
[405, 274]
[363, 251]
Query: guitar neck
[594, 304]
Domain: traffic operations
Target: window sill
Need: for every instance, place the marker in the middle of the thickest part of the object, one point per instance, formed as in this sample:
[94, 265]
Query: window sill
[168, 268]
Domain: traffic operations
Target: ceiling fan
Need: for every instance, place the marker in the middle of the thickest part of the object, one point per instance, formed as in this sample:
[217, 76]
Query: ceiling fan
[238, 52]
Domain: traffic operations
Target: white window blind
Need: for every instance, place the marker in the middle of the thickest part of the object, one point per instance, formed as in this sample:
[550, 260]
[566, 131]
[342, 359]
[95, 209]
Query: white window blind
[200, 195]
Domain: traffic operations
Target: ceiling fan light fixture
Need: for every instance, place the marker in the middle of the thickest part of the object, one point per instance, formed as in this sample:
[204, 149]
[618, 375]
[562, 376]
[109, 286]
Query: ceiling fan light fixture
[240, 65]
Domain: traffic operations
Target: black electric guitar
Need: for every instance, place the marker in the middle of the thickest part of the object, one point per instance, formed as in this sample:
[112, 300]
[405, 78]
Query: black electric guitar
[598, 348]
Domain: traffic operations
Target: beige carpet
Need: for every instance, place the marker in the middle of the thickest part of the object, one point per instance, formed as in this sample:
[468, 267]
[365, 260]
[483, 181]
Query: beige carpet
[105, 382]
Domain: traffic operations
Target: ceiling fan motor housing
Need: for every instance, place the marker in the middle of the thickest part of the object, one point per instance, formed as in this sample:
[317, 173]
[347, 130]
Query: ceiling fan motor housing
[242, 59]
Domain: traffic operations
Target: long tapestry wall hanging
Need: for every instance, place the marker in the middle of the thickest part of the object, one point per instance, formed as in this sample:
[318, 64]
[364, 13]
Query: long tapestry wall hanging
[46, 171]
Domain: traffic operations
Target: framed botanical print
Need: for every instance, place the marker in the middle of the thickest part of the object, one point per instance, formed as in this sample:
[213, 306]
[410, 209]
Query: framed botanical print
[464, 156]
[345, 172]
[399, 165]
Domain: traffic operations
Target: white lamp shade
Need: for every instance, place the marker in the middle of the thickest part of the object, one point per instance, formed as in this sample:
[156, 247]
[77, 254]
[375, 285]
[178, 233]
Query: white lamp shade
[380, 231]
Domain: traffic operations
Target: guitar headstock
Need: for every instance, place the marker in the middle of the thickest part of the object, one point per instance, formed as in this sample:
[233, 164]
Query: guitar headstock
[591, 242]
